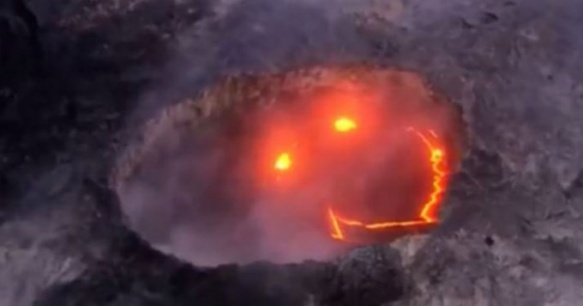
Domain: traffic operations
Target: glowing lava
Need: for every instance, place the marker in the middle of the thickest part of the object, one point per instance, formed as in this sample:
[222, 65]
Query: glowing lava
[283, 162]
[428, 212]
[344, 124]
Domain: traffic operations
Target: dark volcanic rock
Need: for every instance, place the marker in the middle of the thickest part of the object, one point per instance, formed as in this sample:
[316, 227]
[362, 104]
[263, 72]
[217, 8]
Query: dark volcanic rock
[513, 219]
[367, 276]
[20, 49]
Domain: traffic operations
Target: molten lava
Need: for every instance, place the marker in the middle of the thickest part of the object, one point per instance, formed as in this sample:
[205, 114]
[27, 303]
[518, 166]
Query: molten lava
[344, 124]
[428, 211]
[382, 172]
[283, 162]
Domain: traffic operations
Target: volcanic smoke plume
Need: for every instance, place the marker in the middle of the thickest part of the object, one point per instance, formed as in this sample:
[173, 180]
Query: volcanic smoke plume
[292, 166]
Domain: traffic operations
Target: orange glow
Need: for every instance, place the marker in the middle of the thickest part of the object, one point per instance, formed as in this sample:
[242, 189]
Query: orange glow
[283, 162]
[428, 212]
[336, 230]
[344, 124]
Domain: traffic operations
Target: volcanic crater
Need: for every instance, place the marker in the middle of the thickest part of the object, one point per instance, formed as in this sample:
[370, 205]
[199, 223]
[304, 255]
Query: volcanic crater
[292, 154]
[261, 167]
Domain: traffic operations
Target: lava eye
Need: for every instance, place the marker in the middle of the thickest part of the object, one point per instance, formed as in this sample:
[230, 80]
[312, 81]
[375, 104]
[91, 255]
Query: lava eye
[344, 124]
[283, 162]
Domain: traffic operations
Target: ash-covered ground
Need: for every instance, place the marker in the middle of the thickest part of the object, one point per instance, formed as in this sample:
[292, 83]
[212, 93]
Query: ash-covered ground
[512, 232]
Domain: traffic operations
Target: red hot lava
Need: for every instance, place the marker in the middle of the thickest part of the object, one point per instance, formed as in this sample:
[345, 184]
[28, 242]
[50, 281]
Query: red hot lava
[427, 209]
[334, 141]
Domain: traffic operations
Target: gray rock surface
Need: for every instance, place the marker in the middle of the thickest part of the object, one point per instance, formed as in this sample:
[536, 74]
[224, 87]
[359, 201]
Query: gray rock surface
[512, 229]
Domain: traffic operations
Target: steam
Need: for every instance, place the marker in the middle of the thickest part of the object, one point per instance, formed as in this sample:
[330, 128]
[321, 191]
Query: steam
[196, 195]
[257, 36]
[208, 194]
[196, 198]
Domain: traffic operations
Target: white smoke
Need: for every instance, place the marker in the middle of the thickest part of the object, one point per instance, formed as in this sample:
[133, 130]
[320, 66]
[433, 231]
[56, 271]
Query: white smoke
[193, 197]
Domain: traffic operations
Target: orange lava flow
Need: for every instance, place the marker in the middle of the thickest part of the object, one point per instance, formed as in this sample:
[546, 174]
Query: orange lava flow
[283, 162]
[428, 212]
[344, 124]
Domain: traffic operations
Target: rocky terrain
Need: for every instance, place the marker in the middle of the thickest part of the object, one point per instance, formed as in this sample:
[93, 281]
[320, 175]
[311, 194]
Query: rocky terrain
[513, 218]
